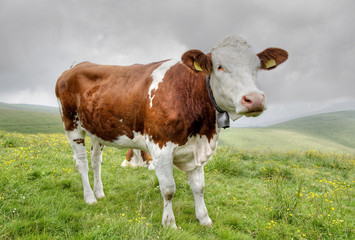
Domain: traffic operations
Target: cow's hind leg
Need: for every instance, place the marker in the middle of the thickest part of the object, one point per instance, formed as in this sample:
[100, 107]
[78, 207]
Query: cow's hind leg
[133, 159]
[96, 159]
[77, 142]
[196, 180]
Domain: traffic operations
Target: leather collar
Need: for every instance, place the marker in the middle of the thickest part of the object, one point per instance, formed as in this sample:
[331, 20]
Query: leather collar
[223, 116]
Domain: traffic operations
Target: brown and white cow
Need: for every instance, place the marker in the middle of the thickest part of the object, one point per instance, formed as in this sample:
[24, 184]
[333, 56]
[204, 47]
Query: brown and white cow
[163, 108]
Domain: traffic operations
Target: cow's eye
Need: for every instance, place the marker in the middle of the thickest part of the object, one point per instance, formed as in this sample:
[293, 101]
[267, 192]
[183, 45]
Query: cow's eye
[220, 68]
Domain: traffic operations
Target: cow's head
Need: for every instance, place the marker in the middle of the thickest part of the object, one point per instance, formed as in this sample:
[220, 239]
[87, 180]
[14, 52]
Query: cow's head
[232, 67]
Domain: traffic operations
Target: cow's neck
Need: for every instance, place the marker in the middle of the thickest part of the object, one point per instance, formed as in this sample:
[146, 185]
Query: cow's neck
[222, 116]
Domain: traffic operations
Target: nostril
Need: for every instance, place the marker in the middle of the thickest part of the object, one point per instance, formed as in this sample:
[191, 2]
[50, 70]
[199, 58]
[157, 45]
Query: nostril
[253, 101]
[246, 100]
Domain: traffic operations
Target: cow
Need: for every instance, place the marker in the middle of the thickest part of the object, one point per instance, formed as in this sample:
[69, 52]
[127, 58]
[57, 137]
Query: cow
[173, 109]
[137, 158]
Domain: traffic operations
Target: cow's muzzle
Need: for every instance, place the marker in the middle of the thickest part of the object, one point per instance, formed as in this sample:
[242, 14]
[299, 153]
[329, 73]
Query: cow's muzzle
[254, 102]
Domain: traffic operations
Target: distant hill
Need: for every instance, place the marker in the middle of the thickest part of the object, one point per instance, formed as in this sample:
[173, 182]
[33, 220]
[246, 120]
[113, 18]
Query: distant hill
[29, 107]
[337, 126]
[326, 132]
[24, 118]
[275, 114]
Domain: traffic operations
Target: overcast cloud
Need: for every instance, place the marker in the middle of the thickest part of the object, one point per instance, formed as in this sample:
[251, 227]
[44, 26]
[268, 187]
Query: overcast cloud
[39, 39]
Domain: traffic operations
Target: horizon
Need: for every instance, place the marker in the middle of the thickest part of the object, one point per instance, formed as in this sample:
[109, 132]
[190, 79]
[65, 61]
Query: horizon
[267, 119]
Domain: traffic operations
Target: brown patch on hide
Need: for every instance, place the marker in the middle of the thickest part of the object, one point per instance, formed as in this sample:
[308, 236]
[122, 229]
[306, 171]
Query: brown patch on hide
[278, 54]
[79, 141]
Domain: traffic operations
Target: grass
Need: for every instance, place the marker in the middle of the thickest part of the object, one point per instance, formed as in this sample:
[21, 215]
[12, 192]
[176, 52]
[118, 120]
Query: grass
[338, 127]
[293, 180]
[12, 120]
[250, 194]
[328, 132]
[284, 140]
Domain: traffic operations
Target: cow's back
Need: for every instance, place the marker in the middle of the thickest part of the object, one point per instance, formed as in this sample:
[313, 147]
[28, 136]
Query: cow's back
[108, 100]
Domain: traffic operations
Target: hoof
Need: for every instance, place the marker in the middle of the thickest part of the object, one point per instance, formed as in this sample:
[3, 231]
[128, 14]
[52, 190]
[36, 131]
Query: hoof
[100, 195]
[90, 200]
[206, 222]
[170, 226]
[125, 163]
[151, 166]
[169, 222]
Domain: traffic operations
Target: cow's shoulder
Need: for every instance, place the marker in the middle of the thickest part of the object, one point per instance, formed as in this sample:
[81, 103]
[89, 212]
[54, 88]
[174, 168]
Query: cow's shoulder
[180, 108]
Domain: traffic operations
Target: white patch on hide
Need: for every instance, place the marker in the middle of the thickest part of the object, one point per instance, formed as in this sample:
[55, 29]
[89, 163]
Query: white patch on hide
[196, 152]
[157, 76]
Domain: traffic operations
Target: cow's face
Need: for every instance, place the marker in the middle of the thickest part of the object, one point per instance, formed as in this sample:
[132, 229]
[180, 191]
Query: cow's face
[232, 67]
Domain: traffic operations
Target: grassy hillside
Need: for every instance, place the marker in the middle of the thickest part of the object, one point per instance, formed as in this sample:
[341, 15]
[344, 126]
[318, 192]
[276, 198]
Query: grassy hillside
[265, 139]
[338, 127]
[12, 120]
[29, 107]
[331, 132]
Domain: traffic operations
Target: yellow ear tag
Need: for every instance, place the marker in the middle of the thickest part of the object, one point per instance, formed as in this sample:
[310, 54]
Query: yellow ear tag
[271, 63]
[197, 66]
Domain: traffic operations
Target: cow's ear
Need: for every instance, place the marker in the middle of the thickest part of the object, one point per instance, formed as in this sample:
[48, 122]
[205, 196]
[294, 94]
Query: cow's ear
[270, 58]
[197, 61]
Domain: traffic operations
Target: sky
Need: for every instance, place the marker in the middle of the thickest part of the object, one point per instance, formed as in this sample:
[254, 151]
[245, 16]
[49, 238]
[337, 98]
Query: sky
[39, 39]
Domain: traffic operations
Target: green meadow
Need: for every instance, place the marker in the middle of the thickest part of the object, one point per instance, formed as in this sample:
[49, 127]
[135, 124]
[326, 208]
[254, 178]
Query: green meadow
[23, 119]
[291, 181]
[329, 132]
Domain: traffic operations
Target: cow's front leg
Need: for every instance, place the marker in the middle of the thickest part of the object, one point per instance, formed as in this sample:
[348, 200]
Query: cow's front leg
[163, 163]
[196, 180]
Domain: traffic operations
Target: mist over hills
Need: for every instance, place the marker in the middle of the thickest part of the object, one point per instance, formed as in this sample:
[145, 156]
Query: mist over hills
[275, 114]
[29, 107]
